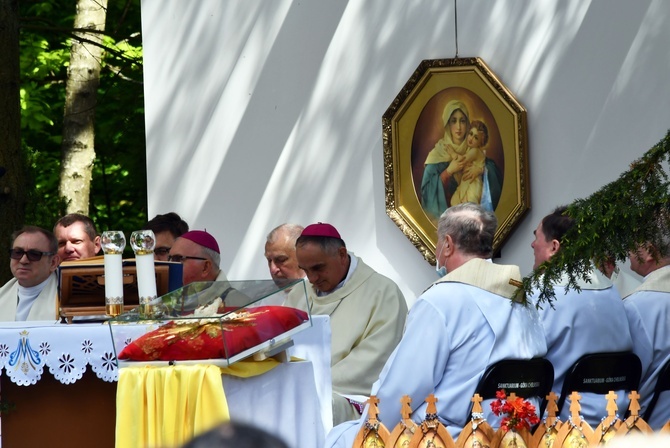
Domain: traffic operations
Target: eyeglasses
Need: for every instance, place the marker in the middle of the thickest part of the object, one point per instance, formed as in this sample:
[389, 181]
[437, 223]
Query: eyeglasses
[182, 258]
[162, 251]
[32, 254]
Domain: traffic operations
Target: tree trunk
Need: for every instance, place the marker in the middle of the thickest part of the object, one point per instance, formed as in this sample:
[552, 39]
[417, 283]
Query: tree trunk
[78, 148]
[12, 163]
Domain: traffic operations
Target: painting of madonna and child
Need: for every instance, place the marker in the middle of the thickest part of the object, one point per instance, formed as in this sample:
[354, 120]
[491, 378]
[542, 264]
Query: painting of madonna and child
[457, 153]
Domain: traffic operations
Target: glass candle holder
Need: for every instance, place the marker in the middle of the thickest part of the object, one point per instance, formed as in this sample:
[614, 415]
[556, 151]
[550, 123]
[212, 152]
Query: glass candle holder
[143, 243]
[113, 242]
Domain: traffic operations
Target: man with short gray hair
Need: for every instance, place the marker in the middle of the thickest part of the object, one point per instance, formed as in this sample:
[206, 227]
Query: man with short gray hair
[199, 254]
[648, 311]
[463, 323]
[280, 252]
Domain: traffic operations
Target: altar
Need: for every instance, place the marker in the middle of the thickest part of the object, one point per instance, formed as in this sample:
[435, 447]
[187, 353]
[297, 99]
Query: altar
[61, 380]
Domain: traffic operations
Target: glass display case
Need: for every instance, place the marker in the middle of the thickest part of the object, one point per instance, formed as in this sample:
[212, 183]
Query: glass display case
[211, 322]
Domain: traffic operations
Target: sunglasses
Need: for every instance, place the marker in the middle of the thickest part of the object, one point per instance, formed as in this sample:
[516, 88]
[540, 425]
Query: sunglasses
[182, 258]
[32, 254]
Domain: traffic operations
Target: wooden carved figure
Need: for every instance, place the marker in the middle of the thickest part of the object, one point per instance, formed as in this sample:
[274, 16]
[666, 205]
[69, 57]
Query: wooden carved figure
[477, 433]
[634, 422]
[575, 433]
[610, 424]
[405, 429]
[373, 433]
[432, 433]
[546, 432]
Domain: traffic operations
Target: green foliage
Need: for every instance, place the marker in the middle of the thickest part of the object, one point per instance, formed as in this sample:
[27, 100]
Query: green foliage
[629, 213]
[118, 190]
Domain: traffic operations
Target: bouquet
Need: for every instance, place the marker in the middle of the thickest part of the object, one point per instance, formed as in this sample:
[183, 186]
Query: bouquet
[519, 413]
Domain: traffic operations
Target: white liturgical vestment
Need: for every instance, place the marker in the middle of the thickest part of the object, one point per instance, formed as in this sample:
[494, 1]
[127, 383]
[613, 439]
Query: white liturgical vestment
[624, 282]
[367, 316]
[44, 307]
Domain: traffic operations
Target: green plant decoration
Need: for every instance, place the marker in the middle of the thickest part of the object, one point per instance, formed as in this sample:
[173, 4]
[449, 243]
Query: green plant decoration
[631, 212]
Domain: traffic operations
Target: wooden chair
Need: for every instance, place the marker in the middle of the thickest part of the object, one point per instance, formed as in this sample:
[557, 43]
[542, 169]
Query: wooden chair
[600, 373]
[662, 385]
[526, 378]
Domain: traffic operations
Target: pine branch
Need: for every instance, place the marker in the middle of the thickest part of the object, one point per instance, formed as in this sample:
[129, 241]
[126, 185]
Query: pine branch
[629, 213]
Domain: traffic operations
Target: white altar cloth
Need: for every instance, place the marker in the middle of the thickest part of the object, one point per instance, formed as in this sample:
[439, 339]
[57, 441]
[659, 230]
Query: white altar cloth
[284, 402]
[27, 348]
[293, 400]
[313, 345]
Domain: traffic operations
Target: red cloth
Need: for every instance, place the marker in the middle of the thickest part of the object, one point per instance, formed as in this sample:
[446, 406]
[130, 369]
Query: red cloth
[195, 340]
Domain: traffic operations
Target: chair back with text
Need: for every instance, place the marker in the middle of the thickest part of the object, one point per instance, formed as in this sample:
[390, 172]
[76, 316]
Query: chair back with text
[600, 373]
[526, 378]
[662, 385]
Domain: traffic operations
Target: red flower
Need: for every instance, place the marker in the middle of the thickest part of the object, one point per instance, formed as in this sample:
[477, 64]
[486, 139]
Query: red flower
[519, 413]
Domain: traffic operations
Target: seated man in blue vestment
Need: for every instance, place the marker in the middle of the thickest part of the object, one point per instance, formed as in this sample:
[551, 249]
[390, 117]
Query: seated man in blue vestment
[461, 324]
[648, 311]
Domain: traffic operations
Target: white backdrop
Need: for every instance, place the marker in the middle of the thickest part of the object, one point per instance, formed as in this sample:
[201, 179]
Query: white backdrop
[260, 112]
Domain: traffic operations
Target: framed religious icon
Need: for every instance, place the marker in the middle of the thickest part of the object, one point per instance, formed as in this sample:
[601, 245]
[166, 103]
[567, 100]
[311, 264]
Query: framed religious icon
[454, 134]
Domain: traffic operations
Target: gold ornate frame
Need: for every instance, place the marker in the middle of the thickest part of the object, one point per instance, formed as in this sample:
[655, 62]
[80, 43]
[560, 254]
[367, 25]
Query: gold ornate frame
[413, 124]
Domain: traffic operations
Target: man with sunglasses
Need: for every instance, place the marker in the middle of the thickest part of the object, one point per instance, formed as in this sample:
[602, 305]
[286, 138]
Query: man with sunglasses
[33, 292]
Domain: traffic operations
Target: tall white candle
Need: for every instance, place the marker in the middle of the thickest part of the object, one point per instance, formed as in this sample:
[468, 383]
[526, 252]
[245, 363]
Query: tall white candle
[143, 243]
[113, 242]
[146, 278]
[114, 278]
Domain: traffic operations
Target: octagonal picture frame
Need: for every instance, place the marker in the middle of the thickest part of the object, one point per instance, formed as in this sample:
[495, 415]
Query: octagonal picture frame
[486, 146]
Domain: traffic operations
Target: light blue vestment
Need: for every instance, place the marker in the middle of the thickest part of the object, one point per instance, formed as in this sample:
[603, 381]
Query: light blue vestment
[45, 306]
[590, 321]
[648, 313]
[454, 331]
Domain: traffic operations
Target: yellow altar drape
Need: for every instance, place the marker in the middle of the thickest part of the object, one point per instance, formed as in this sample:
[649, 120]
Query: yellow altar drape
[167, 406]
[247, 369]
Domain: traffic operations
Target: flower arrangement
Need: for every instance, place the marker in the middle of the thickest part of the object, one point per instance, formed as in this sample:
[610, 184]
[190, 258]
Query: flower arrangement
[519, 413]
